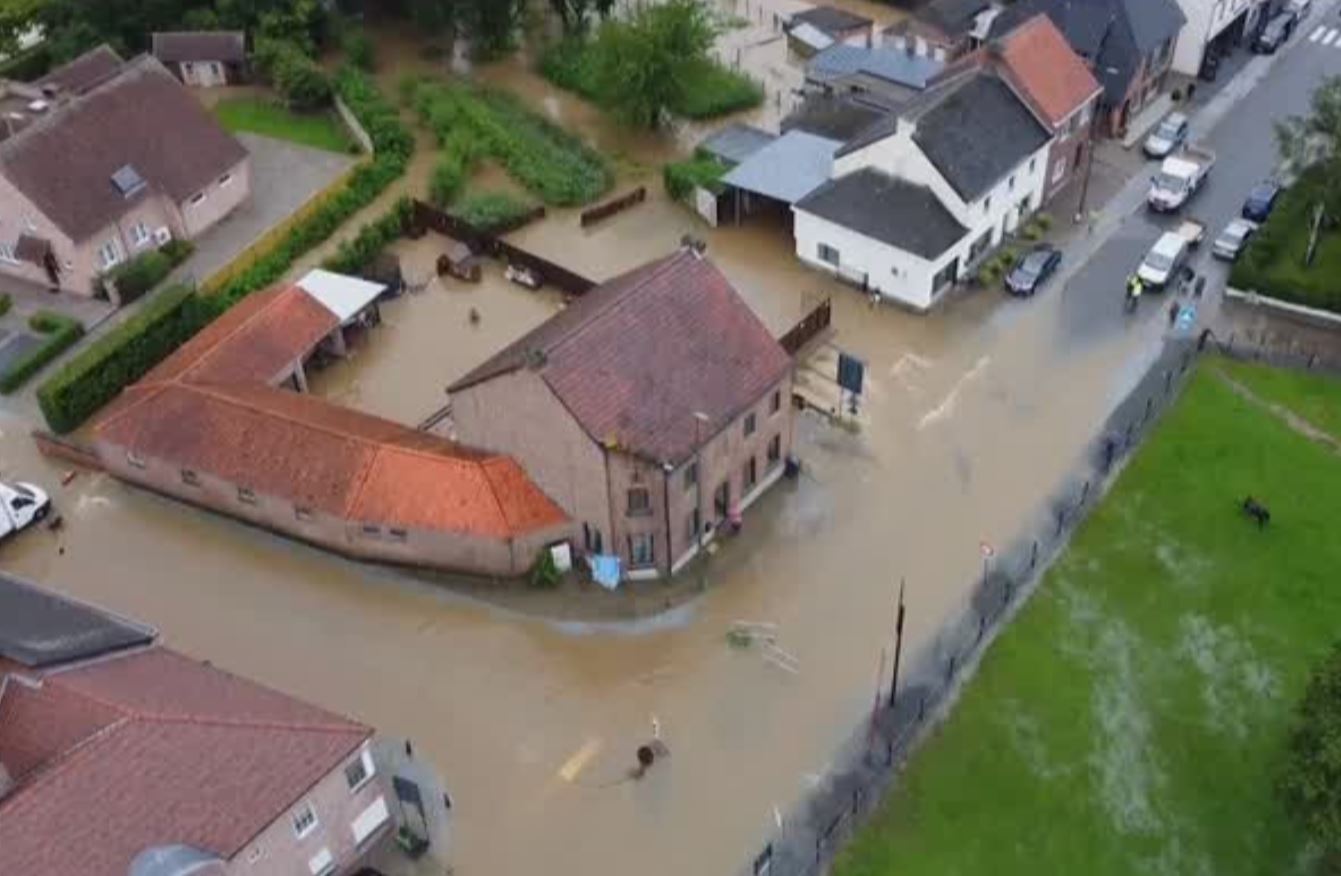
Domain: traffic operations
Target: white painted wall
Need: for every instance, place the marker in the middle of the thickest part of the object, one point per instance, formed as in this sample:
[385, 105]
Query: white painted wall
[1205, 20]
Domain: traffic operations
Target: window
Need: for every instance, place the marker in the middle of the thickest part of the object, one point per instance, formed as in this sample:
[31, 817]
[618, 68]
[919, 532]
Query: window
[1010, 184]
[371, 530]
[693, 523]
[751, 422]
[691, 474]
[1059, 169]
[829, 255]
[28, 221]
[254, 854]
[751, 473]
[321, 864]
[396, 534]
[246, 496]
[134, 459]
[641, 551]
[774, 450]
[987, 204]
[302, 513]
[775, 402]
[190, 478]
[7, 253]
[359, 770]
[304, 820]
[1033, 162]
[225, 179]
[140, 234]
[640, 503]
[197, 199]
[109, 254]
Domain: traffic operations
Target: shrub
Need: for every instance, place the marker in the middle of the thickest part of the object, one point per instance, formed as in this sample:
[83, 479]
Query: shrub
[681, 177]
[121, 357]
[571, 65]
[492, 212]
[147, 270]
[1043, 221]
[359, 50]
[61, 332]
[545, 573]
[354, 255]
[6, 302]
[299, 79]
[709, 90]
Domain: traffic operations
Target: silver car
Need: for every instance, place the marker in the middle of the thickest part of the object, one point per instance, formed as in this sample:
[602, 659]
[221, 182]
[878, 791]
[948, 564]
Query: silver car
[1167, 137]
[1233, 239]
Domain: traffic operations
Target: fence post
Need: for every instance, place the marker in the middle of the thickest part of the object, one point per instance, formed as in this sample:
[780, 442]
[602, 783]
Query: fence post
[1168, 381]
[1127, 441]
[950, 670]
[1033, 555]
[1149, 404]
[1085, 492]
[1061, 521]
[982, 623]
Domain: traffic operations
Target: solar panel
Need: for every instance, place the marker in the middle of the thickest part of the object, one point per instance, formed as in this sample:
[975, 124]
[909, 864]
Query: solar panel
[127, 181]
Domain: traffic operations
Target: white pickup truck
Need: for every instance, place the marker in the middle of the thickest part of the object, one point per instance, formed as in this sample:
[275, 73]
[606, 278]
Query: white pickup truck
[1179, 178]
[21, 505]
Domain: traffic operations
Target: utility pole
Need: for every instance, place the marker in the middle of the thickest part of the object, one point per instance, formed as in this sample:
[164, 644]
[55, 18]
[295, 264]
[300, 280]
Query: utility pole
[699, 419]
[898, 646]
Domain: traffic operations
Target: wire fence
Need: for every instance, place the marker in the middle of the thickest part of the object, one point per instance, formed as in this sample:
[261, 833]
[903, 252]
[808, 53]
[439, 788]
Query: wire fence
[869, 762]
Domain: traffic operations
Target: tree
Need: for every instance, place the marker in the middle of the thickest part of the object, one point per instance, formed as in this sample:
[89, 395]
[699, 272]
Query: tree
[492, 24]
[16, 18]
[640, 63]
[1311, 782]
[576, 14]
[1311, 147]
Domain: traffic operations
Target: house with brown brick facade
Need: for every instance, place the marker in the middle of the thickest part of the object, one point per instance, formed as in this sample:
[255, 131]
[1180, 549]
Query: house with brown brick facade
[101, 161]
[120, 757]
[225, 423]
[654, 409]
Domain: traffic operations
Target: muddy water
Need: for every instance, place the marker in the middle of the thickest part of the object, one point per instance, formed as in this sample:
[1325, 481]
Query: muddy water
[973, 415]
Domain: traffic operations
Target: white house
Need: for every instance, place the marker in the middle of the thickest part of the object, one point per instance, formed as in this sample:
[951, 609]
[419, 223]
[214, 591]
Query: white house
[915, 201]
[1211, 22]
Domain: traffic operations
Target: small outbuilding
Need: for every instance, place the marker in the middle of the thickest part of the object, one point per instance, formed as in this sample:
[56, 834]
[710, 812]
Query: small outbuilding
[203, 59]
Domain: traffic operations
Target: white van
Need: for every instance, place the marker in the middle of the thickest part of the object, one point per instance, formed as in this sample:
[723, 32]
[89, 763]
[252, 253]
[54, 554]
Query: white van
[1164, 260]
[21, 505]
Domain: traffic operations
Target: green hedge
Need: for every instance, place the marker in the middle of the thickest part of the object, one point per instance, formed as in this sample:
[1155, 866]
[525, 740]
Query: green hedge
[1273, 263]
[6, 303]
[571, 65]
[121, 357]
[488, 212]
[711, 90]
[126, 354]
[61, 332]
[147, 270]
[354, 255]
[680, 177]
[555, 166]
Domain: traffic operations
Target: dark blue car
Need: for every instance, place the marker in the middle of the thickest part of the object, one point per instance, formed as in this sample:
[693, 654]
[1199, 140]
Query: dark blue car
[1260, 200]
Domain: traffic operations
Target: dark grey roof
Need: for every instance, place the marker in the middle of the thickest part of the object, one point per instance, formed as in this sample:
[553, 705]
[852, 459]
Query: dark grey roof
[40, 628]
[888, 209]
[788, 169]
[893, 65]
[952, 17]
[976, 132]
[1113, 35]
[831, 20]
[736, 142]
[173, 47]
[834, 117]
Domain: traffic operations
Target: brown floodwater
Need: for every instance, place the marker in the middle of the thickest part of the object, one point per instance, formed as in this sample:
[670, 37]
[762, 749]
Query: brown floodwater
[972, 416]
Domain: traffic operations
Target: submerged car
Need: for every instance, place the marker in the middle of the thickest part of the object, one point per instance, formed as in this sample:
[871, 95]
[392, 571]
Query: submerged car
[1165, 139]
[1261, 199]
[1233, 239]
[1032, 269]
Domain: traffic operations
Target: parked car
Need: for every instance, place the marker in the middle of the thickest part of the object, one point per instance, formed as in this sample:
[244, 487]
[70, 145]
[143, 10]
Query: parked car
[1164, 261]
[1300, 8]
[1210, 67]
[1032, 269]
[1275, 33]
[1179, 178]
[1193, 231]
[1167, 136]
[1233, 239]
[21, 505]
[1261, 199]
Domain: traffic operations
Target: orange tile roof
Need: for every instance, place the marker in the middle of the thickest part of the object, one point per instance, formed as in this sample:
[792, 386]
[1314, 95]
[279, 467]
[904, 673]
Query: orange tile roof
[1040, 59]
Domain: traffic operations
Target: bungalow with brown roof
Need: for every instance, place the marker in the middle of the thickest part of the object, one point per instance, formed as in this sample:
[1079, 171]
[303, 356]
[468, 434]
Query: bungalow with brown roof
[211, 425]
[120, 757]
[203, 58]
[654, 409]
[102, 161]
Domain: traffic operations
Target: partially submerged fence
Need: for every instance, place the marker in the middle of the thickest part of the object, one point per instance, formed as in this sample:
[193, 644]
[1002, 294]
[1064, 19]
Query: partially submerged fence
[613, 206]
[811, 325]
[426, 217]
[868, 763]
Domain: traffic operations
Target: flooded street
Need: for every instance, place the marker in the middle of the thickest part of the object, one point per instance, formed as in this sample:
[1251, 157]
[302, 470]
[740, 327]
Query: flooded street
[972, 416]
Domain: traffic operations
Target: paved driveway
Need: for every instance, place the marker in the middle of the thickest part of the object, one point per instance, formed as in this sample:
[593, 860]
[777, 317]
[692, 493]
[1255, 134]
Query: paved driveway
[284, 177]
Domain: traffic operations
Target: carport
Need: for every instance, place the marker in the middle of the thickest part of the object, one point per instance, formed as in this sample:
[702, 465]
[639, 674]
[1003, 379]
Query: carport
[780, 174]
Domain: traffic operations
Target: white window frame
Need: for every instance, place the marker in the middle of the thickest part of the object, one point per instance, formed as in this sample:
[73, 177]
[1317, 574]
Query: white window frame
[304, 808]
[140, 235]
[110, 254]
[7, 253]
[322, 863]
[197, 199]
[822, 252]
[651, 556]
[225, 179]
[364, 758]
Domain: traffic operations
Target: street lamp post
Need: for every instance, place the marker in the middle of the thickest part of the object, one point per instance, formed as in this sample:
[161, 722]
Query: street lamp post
[699, 419]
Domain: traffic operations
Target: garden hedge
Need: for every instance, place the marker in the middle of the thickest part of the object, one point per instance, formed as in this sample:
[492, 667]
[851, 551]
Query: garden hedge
[147, 270]
[121, 357]
[1273, 263]
[491, 212]
[94, 377]
[681, 177]
[352, 256]
[61, 332]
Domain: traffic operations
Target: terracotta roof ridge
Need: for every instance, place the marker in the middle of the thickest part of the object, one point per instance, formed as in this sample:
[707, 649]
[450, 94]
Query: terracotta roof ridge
[62, 762]
[493, 494]
[620, 301]
[355, 496]
[252, 723]
[265, 308]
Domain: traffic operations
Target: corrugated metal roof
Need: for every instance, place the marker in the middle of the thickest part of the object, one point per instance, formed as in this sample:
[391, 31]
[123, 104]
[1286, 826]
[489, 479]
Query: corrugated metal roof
[736, 142]
[889, 64]
[787, 169]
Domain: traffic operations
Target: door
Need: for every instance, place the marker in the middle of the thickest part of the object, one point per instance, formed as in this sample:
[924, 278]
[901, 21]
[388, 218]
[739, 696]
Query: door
[721, 499]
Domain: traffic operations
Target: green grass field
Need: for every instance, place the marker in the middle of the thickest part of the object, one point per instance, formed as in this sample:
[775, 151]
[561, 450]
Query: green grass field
[1132, 719]
[267, 118]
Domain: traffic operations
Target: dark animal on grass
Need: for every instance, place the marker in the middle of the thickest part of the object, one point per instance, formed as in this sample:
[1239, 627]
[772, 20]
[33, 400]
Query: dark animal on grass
[1257, 511]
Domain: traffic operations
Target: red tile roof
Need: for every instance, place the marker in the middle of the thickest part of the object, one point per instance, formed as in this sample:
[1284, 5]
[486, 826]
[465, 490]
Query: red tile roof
[154, 748]
[1047, 69]
[141, 117]
[637, 356]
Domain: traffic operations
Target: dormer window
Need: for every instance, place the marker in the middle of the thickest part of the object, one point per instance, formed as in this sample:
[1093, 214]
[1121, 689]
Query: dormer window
[128, 181]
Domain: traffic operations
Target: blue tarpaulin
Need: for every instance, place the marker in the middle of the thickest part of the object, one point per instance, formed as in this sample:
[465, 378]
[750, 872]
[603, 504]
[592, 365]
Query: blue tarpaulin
[605, 570]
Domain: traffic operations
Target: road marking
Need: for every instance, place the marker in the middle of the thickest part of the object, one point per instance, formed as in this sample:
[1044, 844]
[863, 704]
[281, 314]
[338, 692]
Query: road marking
[579, 760]
[947, 405]
[1317, 33]
[1331, 36]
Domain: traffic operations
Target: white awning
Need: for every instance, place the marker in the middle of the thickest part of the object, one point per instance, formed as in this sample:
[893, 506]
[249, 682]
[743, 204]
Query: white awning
[342, 295]
[367, 822]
